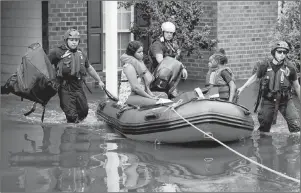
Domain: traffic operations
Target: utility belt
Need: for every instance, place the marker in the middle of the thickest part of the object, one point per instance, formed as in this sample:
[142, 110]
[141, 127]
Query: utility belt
[272, 95]
[68, 82]
[72, 78]
[68, 79]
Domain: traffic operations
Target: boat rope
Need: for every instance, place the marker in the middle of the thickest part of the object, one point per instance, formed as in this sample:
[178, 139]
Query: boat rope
[250, 160]
[110, 95]
[174, 105]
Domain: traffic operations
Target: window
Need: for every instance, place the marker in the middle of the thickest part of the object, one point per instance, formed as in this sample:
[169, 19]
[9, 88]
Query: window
[280, 8]
[124, 19]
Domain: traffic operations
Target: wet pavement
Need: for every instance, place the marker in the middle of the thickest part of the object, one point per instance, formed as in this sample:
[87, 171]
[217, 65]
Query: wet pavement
[90, 157]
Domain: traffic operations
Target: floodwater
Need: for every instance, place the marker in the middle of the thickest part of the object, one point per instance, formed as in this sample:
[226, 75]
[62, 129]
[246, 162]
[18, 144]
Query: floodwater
[90, 157]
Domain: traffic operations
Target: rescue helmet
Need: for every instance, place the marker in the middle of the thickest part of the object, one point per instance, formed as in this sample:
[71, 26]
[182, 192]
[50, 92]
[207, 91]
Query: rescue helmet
[168, 26]
[280, 44]
[71, 33]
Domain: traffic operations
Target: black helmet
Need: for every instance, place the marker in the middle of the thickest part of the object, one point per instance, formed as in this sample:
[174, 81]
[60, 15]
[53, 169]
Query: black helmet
[71, 33]
[280, 44]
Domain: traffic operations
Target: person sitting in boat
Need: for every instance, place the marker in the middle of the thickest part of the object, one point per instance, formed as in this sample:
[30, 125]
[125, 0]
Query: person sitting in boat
[213, 66]
[222, 77]
[136, 78]
[166, 46]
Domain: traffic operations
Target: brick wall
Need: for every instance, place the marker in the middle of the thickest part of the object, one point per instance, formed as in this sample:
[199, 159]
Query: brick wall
[242, 28]
[64, 15]
[197, 65]
[243, 31]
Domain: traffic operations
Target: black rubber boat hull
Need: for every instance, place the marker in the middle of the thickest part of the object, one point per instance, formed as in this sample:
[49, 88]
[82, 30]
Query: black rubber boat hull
[223, 120]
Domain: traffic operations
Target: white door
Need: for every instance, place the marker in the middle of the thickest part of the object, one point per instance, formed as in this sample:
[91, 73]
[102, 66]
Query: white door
[21, 25]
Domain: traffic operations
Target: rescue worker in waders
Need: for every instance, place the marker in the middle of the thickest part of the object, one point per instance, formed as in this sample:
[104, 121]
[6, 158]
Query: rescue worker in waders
[277, 77]
[72, 66]
[166, 46]
[221, 76]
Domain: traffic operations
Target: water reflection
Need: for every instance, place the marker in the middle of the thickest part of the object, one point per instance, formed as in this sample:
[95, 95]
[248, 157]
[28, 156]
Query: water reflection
[271, 150]
[78, 160]
[71, 170]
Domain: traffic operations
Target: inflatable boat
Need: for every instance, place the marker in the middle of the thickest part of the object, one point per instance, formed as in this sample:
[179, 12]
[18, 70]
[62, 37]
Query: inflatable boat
[179, 122]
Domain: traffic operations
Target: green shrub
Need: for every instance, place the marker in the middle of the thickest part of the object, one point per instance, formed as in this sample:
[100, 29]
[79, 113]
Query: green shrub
[191, 35]
[288, 28]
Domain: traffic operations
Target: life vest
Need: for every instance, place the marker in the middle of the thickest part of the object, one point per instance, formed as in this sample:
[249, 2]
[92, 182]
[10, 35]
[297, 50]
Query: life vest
[210, 76]
[167, 75]
[276, 82]
[171, 50]
[140, 68]
[168, 49]
[72, 64]
[223, 87]
[212, 91]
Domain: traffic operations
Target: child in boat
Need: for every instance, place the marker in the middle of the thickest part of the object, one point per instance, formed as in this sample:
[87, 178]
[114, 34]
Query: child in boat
[136, 78]
[222, 76]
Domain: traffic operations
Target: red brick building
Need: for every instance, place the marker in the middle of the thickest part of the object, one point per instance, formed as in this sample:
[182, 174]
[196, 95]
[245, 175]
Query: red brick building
[242, 28]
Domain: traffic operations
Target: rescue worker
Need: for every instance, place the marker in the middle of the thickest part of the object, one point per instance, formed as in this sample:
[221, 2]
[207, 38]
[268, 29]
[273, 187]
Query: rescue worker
[72, 66]
[222, 76]
[277, 77]
[165, 46]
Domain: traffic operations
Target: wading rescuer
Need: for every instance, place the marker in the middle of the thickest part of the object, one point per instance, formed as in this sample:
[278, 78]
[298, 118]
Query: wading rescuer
[72, 66]
[277, 77]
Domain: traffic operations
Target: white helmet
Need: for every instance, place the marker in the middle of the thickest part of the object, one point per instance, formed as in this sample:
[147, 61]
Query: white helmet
[168, 26]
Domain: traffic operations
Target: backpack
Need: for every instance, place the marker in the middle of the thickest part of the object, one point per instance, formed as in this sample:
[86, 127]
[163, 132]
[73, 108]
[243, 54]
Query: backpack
[34, 79]
[167, 75]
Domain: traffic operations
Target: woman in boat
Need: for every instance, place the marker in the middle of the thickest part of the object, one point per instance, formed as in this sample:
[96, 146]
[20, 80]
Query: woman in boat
[136, 78]
[222, 77]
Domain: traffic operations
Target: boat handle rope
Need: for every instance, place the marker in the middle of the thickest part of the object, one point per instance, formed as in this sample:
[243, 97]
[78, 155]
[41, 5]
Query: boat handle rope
[174, 105]
[229, 148]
